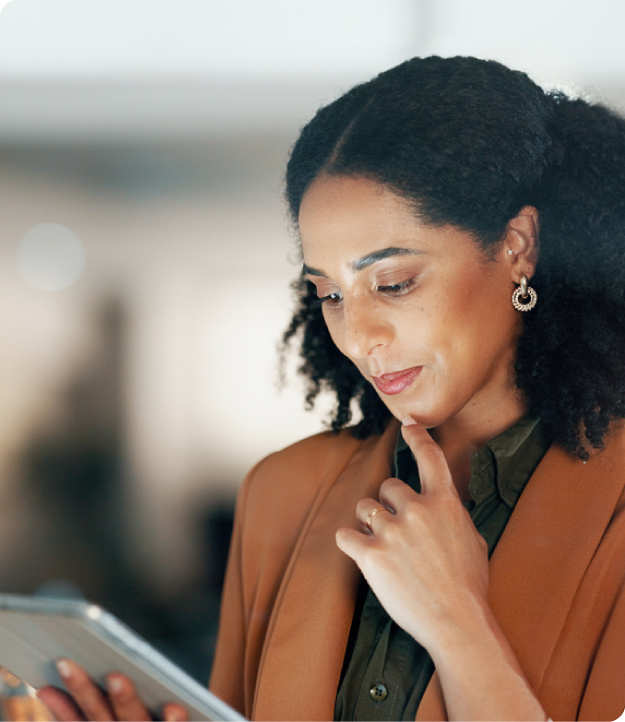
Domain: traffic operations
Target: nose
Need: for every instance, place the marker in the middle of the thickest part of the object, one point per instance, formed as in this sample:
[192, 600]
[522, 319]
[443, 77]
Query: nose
[365, 328]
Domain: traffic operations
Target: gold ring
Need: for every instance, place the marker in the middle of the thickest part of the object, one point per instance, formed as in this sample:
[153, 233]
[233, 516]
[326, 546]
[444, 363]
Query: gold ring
[371, 514]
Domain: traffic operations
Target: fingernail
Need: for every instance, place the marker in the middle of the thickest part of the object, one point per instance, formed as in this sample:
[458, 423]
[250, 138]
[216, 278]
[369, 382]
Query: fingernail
[408, 421]
[172, 716]
[64, 668]
[115, 685]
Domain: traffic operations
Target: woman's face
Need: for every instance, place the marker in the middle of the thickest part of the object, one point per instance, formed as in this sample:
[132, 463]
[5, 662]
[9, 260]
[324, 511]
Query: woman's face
[421, 312]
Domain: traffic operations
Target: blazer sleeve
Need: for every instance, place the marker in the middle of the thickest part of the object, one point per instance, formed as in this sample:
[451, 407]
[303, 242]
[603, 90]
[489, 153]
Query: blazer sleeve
[278, 504]
[270, 514]
[227, 675]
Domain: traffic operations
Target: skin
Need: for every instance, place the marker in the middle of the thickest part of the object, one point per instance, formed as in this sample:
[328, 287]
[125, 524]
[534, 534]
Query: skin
[401, 294]
[87, 701]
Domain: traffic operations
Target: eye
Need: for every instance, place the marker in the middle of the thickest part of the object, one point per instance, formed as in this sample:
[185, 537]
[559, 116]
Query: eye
[332, 299]
[398, 289]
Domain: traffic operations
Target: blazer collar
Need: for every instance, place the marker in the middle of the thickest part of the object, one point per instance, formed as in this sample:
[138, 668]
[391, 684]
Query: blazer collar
[556, 526]
[301, 664]
[553, 533]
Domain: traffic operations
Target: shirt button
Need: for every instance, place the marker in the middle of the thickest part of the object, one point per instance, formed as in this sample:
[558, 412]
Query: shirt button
[378, 692]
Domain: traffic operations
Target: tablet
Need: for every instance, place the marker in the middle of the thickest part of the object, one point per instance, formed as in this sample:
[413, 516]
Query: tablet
[37, 631]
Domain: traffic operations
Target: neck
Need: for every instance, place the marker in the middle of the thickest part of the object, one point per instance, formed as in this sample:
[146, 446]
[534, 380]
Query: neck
[460, 438]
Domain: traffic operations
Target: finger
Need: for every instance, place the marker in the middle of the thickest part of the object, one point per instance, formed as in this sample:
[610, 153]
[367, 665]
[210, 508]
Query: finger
[395, 494]
[124, 700]
[173, 712]
[352, 542]
[433, 468]
[366, 511]
[60, 704]
[87, 695]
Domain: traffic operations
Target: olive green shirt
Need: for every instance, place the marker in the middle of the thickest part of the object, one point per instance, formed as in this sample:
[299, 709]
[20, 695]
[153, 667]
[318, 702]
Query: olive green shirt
[386, 671]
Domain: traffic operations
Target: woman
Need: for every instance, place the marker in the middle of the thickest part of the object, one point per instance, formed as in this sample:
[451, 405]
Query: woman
[463, 241]
[423, 198]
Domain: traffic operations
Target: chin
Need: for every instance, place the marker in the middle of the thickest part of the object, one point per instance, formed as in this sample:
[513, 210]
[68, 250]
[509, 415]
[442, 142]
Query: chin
[426, 417]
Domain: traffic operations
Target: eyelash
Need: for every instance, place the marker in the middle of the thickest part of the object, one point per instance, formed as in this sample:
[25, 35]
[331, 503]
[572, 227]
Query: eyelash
[332, 299]
[398, 289]
[394, 290]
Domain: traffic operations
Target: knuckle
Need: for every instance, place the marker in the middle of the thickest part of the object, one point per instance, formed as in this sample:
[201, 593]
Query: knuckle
[412, 512]
[362, 506]
[390, 485]
[93, 704]
[393, 535]
[429, 448]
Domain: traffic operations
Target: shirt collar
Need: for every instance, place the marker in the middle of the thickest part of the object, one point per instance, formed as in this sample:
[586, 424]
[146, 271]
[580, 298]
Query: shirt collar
[506, 462]
[501, 467]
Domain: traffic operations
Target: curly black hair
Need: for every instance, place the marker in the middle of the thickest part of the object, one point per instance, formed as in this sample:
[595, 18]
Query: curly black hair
[470, 142]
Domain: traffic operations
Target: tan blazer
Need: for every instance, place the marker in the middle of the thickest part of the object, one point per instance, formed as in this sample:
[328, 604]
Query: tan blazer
[556, 585]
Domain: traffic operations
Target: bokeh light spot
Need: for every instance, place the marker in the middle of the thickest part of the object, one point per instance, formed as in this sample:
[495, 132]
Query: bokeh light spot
[50, 257]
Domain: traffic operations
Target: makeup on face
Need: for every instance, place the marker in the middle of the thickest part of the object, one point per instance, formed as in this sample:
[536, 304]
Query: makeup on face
[417, 309]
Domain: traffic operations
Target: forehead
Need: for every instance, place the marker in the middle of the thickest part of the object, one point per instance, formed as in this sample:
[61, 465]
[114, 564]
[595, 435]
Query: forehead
[343, 219]
[345, 207]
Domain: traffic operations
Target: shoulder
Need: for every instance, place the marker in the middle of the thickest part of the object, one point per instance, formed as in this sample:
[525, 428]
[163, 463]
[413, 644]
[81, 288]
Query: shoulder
[281, 489]
[324, 448]
[300, 468]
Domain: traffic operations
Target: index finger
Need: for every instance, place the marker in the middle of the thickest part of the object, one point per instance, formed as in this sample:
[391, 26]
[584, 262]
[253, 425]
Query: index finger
[433, 467]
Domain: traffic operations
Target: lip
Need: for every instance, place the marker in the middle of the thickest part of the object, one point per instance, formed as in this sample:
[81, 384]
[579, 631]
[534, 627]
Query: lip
[396, 382]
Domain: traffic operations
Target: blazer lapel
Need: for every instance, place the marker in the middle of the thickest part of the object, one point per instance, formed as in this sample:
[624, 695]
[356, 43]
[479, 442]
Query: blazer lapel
[307, 637]
[543, 554]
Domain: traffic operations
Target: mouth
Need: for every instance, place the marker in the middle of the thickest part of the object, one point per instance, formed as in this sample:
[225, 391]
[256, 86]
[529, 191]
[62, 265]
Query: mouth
[396, 382]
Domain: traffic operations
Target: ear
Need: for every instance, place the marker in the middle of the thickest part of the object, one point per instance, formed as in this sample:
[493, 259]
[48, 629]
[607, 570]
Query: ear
[521, 238]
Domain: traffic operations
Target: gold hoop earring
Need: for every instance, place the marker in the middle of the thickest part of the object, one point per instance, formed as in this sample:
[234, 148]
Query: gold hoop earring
[524, 297]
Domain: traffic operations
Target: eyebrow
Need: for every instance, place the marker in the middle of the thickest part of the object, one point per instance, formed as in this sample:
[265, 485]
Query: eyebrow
[367, 260]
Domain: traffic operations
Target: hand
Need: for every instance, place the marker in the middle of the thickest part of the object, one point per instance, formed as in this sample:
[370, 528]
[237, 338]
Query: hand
[422, 555]
[87, 701]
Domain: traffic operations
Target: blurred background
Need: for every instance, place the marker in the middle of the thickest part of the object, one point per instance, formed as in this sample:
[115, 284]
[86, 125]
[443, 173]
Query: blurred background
[145, 262]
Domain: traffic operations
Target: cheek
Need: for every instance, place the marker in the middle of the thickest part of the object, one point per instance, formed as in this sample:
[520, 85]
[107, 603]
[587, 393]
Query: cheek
[482, 298]
[333, 322]
[472, 322]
